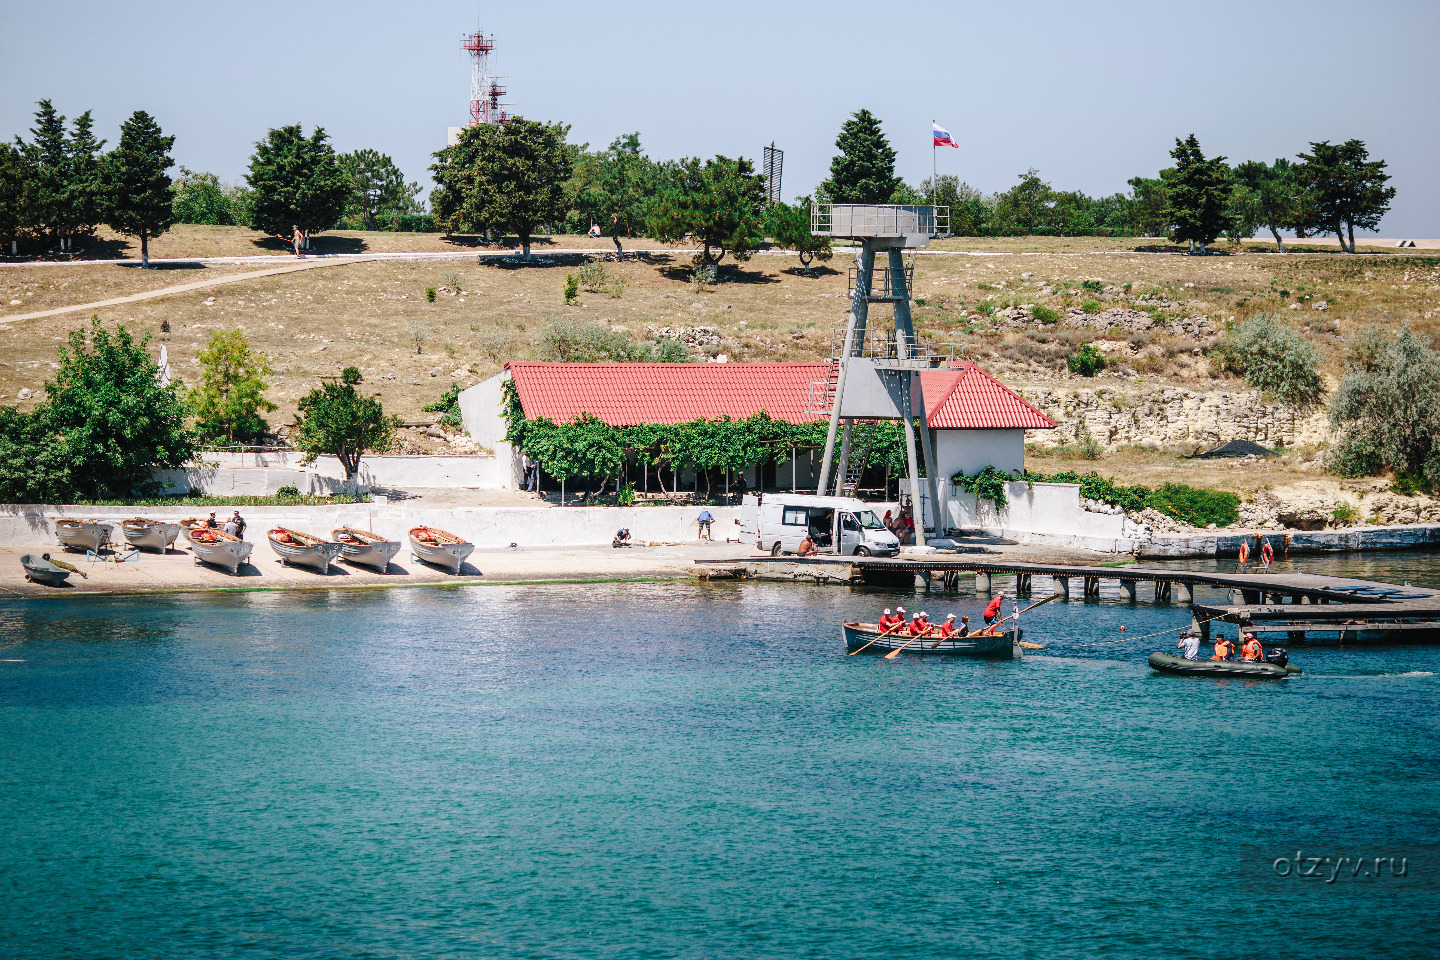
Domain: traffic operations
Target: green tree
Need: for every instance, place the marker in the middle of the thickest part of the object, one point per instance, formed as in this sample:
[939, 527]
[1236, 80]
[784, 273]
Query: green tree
[14, 196]
[510, 176]
[1148, 199]
[1269, 196]
[720, 202]
[231, 396]
[336, 420]
[379, 187]
[32, 467]
[1274, 359]
[113, 421]
[1197, 201]
[864, 169]
[1386, 413]
[87, 199]
[64, 195]
[790, 227]
[297, 182]
[1344, 189]
[1024, 209]
[968, 210]
[199, 197]
[612, 188]
[142, 203]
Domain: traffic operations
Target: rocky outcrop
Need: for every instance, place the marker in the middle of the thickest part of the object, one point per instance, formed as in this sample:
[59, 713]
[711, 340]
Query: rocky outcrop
[1170, 417]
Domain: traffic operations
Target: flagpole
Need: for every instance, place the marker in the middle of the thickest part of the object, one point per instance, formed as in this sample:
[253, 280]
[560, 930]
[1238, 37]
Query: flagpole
[934, 177]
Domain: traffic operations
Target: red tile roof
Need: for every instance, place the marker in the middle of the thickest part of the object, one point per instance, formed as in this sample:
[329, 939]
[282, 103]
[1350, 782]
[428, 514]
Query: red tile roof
[625, 394]
[971, 399]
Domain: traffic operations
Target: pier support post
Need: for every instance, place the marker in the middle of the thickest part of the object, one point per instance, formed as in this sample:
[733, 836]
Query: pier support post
[1062, 586]
[1204, 630]
[1305, 600]
[982, 583]
[1162, 591]
[1127, 590]
[1092, 587]
[1183, 593]
[1022, 585]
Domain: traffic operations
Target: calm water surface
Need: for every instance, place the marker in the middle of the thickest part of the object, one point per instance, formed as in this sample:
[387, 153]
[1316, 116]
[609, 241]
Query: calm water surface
[665, 770]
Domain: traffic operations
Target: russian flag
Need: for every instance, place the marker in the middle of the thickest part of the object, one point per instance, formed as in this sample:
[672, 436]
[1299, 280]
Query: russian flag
[942, 136]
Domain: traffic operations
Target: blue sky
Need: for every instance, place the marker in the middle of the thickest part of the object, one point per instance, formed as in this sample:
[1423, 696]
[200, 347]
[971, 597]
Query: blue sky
[1089, 93]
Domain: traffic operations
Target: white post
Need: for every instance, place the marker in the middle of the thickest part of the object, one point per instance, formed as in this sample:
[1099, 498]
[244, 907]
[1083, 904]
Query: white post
[793, 475]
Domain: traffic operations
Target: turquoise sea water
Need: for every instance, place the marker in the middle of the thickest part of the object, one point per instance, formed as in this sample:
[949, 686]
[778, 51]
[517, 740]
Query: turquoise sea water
[678, 770]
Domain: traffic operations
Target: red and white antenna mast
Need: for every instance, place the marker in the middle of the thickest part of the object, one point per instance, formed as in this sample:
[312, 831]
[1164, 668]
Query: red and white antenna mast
[485, 89]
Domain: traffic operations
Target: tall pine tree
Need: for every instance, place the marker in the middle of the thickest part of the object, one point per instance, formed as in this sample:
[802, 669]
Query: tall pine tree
[14, 186]
[1344, 189]
[46, 158]
[141, 202]
[1197, 197]
[84, 200]
[864, 170]
[298, 182]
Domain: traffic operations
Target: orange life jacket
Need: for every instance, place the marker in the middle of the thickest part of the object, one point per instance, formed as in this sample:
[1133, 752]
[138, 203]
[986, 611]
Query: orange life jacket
[1223, 649]
[1252, 650]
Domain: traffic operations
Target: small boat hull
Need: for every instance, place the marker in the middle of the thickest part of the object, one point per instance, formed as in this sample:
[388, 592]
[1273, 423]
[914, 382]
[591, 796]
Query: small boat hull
[451, 556]
[150, 534]
[1000, 646]
[225, 551]
[1248, 670]
[40, 570]
[364, 551]
[82, 535]
[312, 556]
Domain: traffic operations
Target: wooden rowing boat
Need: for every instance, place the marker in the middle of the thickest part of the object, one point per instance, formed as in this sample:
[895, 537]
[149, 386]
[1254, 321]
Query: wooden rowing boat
[366, 549]
[82, 535]
[998, 646]
[216, 547]
[439, 547]
[143, 534]
[303, 549]
[42, 569]
[1243, 669]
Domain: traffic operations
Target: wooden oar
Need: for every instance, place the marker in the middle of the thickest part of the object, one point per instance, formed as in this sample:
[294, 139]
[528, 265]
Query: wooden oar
[71, 567]
[888, 631]
[892, 654]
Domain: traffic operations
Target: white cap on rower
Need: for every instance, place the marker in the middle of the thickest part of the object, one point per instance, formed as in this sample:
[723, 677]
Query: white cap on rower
[951, 617]
[887, 611]
[899, 609]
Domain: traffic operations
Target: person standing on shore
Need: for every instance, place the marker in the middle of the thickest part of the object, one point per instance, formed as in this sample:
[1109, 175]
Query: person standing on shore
[704, 520]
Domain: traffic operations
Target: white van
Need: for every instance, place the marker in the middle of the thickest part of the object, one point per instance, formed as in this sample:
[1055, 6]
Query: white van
[839, 525]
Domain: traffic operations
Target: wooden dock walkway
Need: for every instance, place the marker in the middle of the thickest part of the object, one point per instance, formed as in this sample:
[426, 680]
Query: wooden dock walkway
[1299, 605]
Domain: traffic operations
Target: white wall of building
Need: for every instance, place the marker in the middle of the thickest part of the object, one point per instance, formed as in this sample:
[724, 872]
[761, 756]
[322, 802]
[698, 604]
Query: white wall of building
[970, 451]
[229, 474]
[481, 409]
[1045, 513]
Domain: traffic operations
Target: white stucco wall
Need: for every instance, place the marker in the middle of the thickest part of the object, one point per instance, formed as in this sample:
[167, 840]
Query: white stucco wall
[1047, 513]
[223, 473]
[481, 412]
[970, 451]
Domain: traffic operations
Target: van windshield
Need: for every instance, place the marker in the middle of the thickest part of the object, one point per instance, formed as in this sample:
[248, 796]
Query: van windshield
[868, 520]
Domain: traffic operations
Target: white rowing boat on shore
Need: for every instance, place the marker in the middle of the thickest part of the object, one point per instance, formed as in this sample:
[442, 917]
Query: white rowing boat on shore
[366, 549]
[439, 547]
[82, 535]
[217, 547]
[303, 549]
[144, 534]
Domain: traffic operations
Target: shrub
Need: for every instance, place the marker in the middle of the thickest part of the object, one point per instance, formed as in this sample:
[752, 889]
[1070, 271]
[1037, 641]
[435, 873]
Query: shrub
[988, 484]
[1092, 286]
[288, 492]
[572, 287]
[1345, 513]
[1386, 413]
[448, 406]
[1274, 359]
[1090, 306]
[987, 307]
[429, 294]
[593, 277]
[1086, 361]
[1089, 447]
[1195, 505]
[1046, 315]
[625, 496]
[581, 341]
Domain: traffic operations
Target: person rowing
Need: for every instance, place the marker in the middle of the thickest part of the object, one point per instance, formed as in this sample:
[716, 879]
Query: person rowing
[888, 620]
[947, 629]
[919, 626]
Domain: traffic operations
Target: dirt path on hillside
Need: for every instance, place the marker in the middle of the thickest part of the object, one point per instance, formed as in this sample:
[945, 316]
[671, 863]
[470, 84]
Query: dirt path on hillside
[183, 288]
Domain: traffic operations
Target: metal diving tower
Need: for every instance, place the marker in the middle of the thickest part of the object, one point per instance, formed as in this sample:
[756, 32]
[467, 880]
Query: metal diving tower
[875, 372]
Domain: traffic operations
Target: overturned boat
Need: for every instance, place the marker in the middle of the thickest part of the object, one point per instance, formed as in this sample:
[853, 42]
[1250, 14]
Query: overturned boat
[366, 549]
[440, 548]
[144, 534]
[42, 569]
[217, 547]
[997, 646]
[303, 549]
[83, 535]
[1277, 669]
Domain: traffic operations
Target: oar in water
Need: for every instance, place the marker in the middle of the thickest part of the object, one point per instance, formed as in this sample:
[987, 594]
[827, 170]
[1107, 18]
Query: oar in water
[1033, 646]
[888, 631]
[919, 636]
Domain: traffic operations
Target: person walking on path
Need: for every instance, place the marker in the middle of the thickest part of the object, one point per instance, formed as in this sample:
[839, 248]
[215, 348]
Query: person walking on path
[704, 520]
[298, 239]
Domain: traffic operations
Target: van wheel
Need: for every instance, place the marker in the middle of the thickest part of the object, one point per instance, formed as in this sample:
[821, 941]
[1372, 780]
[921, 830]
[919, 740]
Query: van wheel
[862, 551]
[775, 550]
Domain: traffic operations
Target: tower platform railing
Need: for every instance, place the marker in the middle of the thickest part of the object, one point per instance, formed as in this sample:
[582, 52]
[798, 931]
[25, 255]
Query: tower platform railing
[860, 220]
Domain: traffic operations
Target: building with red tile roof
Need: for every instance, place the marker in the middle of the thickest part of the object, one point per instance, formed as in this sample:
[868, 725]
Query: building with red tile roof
[974, 420]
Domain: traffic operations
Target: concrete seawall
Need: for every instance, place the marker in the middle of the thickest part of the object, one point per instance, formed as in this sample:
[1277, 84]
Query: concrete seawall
[1412, 537]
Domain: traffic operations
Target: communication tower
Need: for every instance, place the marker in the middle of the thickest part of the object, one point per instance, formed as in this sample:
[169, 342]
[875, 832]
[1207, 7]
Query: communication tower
[774, 166]
[485, 88]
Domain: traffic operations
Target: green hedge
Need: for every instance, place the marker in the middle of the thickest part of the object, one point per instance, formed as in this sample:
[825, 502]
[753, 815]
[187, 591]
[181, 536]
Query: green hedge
[1196, 506]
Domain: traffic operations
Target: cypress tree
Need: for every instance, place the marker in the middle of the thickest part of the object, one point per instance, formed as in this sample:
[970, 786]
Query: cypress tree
[298, 182]
[45, 156]
[141, 201]
[864, 170]
[1197, 201]
[84, 199]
